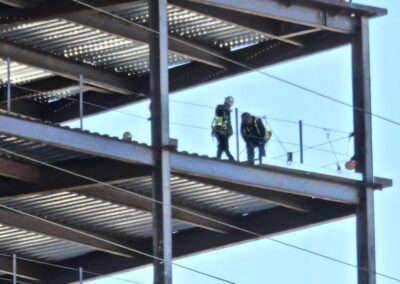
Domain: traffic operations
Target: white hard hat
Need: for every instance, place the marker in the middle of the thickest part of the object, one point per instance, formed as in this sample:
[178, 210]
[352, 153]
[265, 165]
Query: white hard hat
[229, 100]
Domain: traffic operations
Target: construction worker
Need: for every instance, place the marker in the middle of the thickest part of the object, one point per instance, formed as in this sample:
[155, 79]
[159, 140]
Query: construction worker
[255, 135]
[222, 128]
[127, 136]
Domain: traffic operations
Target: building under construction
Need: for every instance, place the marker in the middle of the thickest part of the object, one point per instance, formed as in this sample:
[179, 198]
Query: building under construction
[78, 199]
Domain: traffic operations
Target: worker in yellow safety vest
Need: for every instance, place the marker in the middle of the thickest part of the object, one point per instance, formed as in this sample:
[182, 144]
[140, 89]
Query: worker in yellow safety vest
[255, 135]
[222, 127]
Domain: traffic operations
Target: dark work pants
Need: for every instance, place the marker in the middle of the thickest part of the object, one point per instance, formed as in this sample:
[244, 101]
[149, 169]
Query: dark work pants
[250, 147]
[223, 146]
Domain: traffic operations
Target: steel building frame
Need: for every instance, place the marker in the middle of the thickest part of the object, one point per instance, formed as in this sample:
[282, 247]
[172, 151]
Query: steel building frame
[94, 200]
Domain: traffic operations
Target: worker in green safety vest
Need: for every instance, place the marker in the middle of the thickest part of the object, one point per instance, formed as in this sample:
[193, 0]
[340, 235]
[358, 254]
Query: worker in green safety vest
[255, 135]
[222, 127]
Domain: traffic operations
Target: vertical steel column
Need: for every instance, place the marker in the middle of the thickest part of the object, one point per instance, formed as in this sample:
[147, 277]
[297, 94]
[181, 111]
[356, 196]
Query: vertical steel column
[80, 275]
[162, 235]
[14, 268]
[363, 154]
[81, 100]
[8, 84]
[301, 141]
[237, 134]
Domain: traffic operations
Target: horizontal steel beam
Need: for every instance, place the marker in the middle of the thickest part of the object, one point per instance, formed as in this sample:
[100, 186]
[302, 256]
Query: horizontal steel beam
[307, 15]
[68, 68]
[270, 178]
[19, 171]
[49, 9]
[106, 23]
[300, 184]
[180, 163]
[13, 218]
[75, 140]
[368, 11]
[254, 23]
[291, 201]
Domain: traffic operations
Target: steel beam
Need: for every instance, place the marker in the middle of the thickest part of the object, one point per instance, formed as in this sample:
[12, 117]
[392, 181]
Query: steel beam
[45, 10]
[349, 6]
[283, 180]
[195, 51]
[291, 201]
[300, 32]
[363, 153]
[75, 140]
[10, 217]
[269, 178]
[69, 69]
[306, 15]
[265, 26]
[162, 227]
[19, 171]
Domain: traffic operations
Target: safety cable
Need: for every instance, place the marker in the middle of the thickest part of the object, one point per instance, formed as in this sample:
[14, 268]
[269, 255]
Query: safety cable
[274, 133]
[185, 125]
[314, 147]
[328, 133]
[335, 163]
[269, 117]
[257, 235]
[145, 118]
[240, 64]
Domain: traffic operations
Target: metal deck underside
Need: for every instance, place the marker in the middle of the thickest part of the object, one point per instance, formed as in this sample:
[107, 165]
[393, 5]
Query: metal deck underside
[50, 49]
[37, 198]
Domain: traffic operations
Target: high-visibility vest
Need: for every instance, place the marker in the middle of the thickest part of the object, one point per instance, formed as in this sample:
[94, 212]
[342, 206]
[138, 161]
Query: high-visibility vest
[267, 132]
[221, 121]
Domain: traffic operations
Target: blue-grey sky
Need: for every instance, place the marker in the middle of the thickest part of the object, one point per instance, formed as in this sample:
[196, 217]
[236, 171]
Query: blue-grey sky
[263, 261]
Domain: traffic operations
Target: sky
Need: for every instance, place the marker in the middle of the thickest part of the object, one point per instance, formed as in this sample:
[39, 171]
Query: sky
[263, 261]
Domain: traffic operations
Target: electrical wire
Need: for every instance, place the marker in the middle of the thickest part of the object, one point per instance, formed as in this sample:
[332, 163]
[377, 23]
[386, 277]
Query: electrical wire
[328, 133]
[257, 235]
